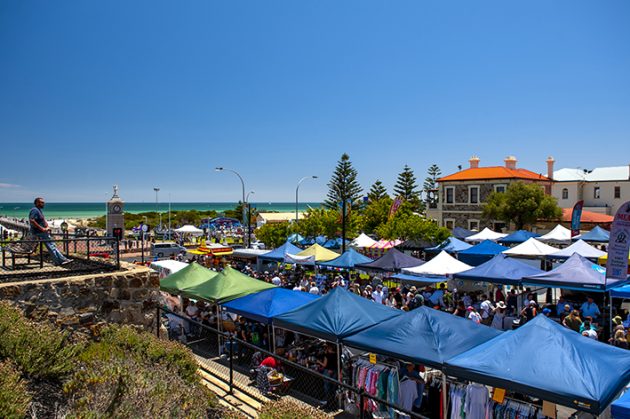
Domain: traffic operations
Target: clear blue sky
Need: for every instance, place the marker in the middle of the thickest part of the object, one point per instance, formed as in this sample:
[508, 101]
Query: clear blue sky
[158, 93]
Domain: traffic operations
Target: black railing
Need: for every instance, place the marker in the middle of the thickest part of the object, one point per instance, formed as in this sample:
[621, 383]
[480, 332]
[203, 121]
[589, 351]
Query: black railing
[34, 258]
[235, 362]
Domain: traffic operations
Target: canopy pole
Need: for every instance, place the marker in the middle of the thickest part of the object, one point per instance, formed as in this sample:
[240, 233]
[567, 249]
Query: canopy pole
[610, 313]
[273, 337]
[444, 399]
[219, 329]
[339, 370]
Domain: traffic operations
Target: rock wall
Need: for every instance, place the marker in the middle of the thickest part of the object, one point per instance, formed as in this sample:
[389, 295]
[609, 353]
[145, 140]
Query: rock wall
[129, 296]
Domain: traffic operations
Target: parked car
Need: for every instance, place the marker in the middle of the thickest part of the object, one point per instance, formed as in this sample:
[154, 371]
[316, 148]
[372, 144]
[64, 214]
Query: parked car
[165, 250]
[258, 245]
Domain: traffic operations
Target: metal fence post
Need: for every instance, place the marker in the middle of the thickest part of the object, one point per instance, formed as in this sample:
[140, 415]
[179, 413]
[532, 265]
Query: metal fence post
[231, 363]
[118, 256]
[87, 245]
[361, 402]
[41, 254]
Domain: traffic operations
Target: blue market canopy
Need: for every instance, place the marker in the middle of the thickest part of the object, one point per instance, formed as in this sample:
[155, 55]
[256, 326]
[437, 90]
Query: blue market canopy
[480, 253]
[577, 273]
[417, 279]
[335, 243]
[517, 237]
[392, 261]
[278, 253]
[597, 234]
[264, 305]
[336, 315]
[545, 360]
[295, 238]
[308, 241]
[424, 335]
[581, 248]
[620, 409]
[500, 270]
[621, 292]
[347, 260]
[450, 245]
[461, 233]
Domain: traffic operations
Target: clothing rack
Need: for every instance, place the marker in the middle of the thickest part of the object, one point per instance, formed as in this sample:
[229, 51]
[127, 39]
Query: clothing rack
[387, 364]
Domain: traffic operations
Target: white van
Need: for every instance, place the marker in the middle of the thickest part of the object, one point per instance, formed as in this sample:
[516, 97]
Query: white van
[166, 250]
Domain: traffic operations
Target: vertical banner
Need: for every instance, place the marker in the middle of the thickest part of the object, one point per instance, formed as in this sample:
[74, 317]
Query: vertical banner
[575, 218]
[395, 205]
[619, 244]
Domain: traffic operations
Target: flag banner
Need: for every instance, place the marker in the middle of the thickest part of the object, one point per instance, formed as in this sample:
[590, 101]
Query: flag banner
[575, 218]
[395, 205]
[619, 244]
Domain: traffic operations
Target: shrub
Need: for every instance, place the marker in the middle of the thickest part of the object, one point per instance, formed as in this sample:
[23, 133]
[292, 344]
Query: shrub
[286, 409]
[14, 398]
[39, 350]
[124, 388]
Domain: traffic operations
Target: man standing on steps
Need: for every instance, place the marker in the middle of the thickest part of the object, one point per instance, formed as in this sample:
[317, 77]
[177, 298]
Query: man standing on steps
[39, 228]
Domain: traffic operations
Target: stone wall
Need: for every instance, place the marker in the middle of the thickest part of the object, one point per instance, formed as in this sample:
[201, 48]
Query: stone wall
[129, 296]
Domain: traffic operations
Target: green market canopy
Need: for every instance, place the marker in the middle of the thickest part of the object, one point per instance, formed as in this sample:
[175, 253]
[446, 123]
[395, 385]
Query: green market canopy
[192, 275]
[226, 286]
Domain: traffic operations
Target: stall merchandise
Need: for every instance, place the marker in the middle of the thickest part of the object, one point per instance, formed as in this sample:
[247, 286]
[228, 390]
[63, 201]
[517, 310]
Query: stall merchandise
[379, 380]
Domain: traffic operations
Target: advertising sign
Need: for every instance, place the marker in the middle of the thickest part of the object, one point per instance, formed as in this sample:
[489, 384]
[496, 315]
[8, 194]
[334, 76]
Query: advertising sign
[619, 244]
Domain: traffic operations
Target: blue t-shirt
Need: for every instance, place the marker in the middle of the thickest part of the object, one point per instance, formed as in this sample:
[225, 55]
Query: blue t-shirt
[37, 215]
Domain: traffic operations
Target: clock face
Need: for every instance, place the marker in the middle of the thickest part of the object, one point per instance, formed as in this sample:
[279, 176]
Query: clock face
[116, 209]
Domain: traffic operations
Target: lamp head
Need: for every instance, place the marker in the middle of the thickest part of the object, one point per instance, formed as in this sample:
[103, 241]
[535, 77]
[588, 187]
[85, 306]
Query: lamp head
[314, 177]
[218, 169]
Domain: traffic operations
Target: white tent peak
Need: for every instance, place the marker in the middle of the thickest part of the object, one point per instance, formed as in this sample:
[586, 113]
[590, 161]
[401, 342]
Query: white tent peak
[581, 248]
[559, 234]
[363, 241]
[531, 248]
[441, 265]
[485, 234]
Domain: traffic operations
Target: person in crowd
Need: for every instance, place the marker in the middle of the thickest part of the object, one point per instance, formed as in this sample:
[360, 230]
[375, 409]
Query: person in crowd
[546, 312]
[486, 309]
[498, 319]
[512, 301]
[314, 290]
[498, 294]
[565, 312]
[39, 228]
[588, 331]
[619, 340]
[377, 295]
[437, 297]
[467, 299]
[529, 312]
[561, 306]
[473, 315]
[573, 321]
[590, 309]
[329, 366]
[460, 310]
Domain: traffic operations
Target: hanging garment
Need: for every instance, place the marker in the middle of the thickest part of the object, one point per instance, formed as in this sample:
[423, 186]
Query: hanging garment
[407, 393]
[476, 401]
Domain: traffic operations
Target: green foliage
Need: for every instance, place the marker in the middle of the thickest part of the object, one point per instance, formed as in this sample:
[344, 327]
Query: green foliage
[327, 222]
[407, 188]
[430, 183]
[39, 350]
[14, 397]
[523, 204]
[375, 214]
[178, 218]
[274, 234]
[343, 185]
[286, 409]
[408, 226]
[377, 192]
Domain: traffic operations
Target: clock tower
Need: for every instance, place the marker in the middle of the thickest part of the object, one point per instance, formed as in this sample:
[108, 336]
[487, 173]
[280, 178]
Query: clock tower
[115, 213]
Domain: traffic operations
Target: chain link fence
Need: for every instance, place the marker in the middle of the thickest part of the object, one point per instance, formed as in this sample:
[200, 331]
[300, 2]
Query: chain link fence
[237, 363]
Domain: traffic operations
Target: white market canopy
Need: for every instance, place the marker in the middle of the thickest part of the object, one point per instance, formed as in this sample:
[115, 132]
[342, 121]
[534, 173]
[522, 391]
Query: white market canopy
[531, 248]
[171, 265]
[485, 234]
[363, 241]
[559, 234]
[441, 265]
[190, 229]
[581, 248]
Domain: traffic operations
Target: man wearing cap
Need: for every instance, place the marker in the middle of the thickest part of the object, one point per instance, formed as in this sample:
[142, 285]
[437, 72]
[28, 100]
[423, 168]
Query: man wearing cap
[546, 312]
[473, 315]
[377, 294]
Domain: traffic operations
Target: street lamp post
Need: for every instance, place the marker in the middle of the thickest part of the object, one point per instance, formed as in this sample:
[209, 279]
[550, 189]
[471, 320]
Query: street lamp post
[249, 218]
[297, 189]
[157, 206]
[221, 169]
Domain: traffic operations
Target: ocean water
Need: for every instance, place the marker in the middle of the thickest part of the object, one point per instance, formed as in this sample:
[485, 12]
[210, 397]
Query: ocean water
[57, 210]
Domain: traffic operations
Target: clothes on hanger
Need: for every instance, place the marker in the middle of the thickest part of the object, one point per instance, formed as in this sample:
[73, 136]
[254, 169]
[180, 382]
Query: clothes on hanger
[476, 401]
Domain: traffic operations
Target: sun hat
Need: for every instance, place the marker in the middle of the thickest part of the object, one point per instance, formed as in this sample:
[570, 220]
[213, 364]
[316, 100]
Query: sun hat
[501, 304]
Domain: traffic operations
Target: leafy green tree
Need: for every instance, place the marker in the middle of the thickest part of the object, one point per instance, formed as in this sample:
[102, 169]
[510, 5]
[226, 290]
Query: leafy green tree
[376, 213]
[327, 222]
[343, 185]
[273, 234]
[430, 184]
[377, 192]
[522, 204]
[407, 188]
[408, 226]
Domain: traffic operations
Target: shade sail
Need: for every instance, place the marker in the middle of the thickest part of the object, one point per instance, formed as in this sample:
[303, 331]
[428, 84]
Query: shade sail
[321, 254]
[544, 359]
[264, 305]
[620, 409]
[531, 248]
[441, 265]
[480, 253]
[461, 233]
[392, 261]
[190, 229]
[347, 260]
[517, 237]
[278, 253]
[336, 315]
[415, 244]
[581, 248]
[485, 234]
[499, 270]
[576, 273]
[226, 286]
[597, 235]
[189, 276]
[424, 335]
[450, 245]
[559, 234]
[363, 241]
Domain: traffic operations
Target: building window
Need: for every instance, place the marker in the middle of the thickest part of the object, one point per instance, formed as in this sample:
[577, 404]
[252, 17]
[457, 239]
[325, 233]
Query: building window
[617, 192]
[473, 194]
[450, 195]
[500, 188]
[565, 193]
[450, 224]
[596, 192]
[499, 226]
[473, 225]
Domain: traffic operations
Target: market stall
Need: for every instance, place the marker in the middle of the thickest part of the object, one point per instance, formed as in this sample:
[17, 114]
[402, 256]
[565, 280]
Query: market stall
[362, 241]
[480, 253]
[485, 234]
[190, 276]
[277, 254]
[450, 245]
[559, 234]
[320, 253]
[518, 237]
[501, 269]
[581, 248]
[348, 260]
[461, 233]
[441, 266]
[596, 235]
[392, 261]
[264, 305]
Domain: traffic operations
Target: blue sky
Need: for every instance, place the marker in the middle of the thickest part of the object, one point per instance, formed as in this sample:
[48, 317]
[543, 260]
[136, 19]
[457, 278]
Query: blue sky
[158, 93]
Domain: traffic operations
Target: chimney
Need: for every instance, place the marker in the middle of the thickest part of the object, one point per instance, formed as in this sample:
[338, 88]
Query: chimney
[510, 162]
[474, 162]
[550, 162]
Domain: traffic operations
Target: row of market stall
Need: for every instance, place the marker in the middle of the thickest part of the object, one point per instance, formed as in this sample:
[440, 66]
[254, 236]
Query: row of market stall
[541, 359]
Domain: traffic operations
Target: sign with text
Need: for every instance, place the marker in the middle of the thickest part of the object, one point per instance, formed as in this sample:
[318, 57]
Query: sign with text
[619, 244]
[575, 218]
[372, 358]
